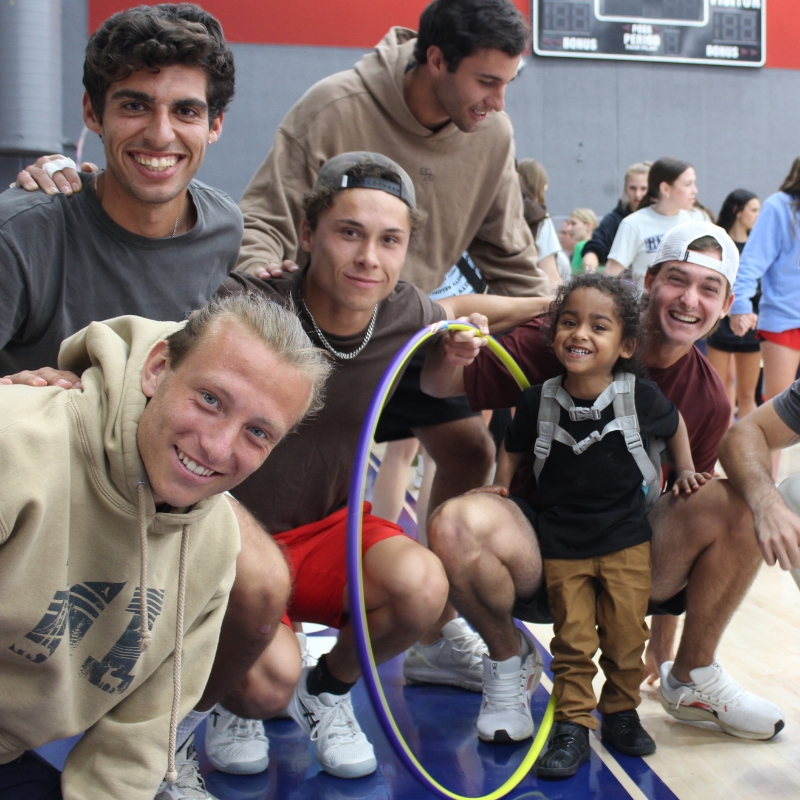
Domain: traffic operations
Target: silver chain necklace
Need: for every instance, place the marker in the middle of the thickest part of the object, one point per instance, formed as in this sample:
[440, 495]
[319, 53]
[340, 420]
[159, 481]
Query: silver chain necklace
[327, 345]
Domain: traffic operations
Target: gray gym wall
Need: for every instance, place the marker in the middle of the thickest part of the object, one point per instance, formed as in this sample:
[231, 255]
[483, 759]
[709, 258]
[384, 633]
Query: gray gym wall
[585, 120]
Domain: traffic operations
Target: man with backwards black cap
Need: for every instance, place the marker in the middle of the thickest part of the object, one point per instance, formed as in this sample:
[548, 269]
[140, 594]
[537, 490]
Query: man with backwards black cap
[358, 222]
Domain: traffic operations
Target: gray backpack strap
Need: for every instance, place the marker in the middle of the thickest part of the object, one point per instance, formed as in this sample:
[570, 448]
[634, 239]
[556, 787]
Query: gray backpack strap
[627, 422]
[547, 422]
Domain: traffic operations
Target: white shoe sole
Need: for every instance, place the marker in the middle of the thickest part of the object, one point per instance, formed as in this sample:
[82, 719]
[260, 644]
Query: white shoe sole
[239, 767]
[502, 736]
[694, 714]
[351, 771]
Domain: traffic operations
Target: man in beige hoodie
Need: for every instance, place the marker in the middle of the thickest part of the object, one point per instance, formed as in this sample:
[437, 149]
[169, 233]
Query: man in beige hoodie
[117, 554]
[432, 102]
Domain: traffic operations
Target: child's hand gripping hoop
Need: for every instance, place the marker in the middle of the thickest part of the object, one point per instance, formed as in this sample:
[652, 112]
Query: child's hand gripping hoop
[355, 577]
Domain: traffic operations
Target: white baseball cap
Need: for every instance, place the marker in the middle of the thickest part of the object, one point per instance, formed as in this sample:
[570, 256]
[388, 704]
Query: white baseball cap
[675, 247]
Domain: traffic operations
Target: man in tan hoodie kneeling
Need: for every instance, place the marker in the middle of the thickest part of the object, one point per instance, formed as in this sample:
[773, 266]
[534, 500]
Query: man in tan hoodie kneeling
[117, 554]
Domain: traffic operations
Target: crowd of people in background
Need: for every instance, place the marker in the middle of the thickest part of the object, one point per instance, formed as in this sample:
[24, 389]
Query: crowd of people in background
[656, 197]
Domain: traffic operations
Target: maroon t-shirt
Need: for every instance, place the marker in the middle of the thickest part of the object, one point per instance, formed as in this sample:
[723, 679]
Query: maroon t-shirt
[691, 383]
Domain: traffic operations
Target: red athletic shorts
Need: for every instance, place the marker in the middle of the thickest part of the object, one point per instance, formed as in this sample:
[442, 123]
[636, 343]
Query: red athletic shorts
[317, 558]
[790, 338]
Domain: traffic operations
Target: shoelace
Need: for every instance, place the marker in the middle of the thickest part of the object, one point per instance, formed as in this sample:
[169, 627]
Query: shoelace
[505, 691]
[339, 721]
[720, 690]
[469, 643]
[189, 778]
[246, 729]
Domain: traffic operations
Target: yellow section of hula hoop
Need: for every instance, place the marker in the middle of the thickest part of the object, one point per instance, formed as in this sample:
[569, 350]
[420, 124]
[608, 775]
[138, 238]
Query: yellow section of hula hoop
[547, 721]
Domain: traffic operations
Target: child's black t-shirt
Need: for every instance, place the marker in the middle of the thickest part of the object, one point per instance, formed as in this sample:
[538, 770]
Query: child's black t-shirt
[590, 504]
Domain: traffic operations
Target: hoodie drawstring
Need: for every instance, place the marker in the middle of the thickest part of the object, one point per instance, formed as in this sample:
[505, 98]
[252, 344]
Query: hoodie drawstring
[145, 637]
[172, 774]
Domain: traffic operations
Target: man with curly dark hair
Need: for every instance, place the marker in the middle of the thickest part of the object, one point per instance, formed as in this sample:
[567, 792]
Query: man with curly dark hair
[142, 236]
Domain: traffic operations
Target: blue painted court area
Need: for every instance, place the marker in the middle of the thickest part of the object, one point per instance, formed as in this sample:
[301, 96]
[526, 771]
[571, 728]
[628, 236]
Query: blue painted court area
[439, 724]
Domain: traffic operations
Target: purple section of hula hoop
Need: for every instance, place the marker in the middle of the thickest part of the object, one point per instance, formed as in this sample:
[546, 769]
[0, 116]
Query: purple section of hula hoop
[354, 554]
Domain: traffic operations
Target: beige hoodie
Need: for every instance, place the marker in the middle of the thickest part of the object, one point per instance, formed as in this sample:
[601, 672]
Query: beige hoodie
[71, 567]
[466, 182]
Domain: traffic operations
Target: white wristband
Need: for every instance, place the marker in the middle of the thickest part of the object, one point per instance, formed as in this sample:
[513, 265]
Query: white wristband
[57, 164]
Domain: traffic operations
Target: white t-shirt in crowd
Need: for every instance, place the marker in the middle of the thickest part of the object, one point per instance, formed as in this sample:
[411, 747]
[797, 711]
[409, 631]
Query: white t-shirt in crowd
[547, 239]
[639, 235]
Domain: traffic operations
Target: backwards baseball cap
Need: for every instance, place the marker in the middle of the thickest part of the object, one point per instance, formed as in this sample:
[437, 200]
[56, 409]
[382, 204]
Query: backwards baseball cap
[675, 247]
[342, 172]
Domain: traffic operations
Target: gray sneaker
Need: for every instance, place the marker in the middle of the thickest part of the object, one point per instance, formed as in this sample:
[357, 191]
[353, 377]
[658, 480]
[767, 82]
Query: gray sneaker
[455, 660]
[190, 785]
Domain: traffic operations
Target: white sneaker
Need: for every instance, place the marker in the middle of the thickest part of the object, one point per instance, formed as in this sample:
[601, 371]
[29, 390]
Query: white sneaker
[341, 746]
[235, 745]
[190, 782]
[713, 696]
[505, 714]
[455, 660]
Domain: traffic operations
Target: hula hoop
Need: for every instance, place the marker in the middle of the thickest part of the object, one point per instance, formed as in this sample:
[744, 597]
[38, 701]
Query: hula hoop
[358, 612]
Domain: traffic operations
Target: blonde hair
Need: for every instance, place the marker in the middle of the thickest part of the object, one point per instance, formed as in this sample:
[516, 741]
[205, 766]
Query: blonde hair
[586, 216]
[276, 326]
[532, 179]
[639, 168]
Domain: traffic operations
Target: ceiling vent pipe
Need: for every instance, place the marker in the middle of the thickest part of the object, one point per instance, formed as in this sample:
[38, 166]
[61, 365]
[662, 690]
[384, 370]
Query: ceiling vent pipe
[30, 77]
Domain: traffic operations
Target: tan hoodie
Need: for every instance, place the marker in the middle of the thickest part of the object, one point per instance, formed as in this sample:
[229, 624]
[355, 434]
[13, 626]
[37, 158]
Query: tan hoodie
[71, 567]
[466, 182]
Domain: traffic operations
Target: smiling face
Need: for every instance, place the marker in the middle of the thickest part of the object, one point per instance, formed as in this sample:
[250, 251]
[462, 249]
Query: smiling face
[213, 420]
[155, 130]
[587, 338]
[357, 252]
[682, 192]
[475, 89]
[686, 300]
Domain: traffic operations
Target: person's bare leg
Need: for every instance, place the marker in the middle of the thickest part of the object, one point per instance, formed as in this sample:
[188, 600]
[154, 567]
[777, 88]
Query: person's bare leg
[780, 370]
[724, 366]
[257, 601]
[405, 589]
[424, 497]
[748, 367]
[390, 482]
[491, 556]
[705, 543]
[464, 453]
[268, 685]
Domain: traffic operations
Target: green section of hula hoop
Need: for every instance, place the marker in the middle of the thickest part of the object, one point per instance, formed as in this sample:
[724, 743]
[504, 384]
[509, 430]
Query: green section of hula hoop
[544, 729]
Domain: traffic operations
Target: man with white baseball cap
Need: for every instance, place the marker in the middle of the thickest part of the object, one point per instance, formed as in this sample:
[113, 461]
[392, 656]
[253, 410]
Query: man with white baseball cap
[704, 553]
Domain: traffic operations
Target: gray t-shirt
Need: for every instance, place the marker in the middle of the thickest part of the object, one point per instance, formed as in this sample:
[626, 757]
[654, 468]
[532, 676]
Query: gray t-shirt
[787, 404]
[65, 263]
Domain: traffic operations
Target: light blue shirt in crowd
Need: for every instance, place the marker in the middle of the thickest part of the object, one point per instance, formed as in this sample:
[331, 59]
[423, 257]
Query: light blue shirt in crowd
[772, 253]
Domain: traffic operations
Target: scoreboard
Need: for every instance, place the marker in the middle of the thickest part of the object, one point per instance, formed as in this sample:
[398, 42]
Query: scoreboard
[723, 32]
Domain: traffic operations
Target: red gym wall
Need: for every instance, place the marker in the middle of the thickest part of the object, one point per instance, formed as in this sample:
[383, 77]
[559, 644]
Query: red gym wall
[361, 23]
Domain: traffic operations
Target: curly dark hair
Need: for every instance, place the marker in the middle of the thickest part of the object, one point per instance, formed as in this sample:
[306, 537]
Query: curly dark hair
[151, 37]
[461, 27]
[627, 307]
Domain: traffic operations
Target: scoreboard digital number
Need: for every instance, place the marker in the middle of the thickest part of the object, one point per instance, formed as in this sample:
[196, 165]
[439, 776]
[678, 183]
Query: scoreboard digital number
[723, 32]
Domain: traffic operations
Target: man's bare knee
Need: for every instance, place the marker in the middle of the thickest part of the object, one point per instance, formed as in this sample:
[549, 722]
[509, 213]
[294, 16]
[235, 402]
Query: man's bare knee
[262, 585]
[268, 686]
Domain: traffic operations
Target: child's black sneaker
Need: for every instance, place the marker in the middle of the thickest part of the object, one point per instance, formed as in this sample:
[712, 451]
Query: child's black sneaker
[567, 750]
[624, 732]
